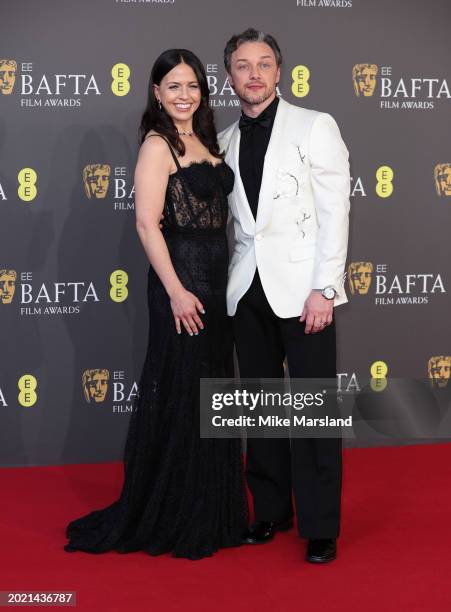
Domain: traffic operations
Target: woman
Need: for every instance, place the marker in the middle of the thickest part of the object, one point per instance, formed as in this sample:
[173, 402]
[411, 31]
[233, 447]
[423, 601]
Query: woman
[182, 494]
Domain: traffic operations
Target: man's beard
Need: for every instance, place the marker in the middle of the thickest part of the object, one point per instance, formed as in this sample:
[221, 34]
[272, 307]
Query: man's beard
[255, 100]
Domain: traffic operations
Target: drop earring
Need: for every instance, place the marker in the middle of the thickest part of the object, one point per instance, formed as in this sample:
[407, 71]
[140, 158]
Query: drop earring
[159, 104]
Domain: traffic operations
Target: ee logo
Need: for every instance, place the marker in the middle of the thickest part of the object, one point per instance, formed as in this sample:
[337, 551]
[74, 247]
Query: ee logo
[300, 75]
[118, 291]
[379, 371]
[27, 390]
[120, 85]
[27, 178]
[384, 185]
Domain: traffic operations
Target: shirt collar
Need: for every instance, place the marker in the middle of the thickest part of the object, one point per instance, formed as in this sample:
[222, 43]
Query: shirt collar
[269, 111]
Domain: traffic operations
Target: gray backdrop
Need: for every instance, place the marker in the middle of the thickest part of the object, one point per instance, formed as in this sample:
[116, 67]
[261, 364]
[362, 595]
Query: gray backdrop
[62, 136]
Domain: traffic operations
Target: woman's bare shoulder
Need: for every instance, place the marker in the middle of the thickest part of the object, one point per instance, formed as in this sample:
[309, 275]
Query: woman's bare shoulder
[154, 157]
[152, 133]
[157, 145]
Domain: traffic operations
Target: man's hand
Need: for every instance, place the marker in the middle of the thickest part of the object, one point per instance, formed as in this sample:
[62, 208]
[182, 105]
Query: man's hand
[317, 312]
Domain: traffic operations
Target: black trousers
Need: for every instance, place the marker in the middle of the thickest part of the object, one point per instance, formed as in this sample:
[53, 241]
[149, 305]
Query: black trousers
[311, 467]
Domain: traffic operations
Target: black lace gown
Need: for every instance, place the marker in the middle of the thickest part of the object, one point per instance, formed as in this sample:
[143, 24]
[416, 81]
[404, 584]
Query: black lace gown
[182, 494]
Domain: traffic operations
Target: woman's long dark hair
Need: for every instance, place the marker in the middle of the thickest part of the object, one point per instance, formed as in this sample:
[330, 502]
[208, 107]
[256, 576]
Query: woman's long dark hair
[157, 119]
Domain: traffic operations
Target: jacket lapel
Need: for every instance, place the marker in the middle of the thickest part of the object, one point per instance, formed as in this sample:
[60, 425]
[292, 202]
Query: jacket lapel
[279, 136]
[271, 165]
[239, 194]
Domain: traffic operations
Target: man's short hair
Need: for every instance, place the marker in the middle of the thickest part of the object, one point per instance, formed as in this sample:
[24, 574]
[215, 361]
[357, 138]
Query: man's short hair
[250, 35]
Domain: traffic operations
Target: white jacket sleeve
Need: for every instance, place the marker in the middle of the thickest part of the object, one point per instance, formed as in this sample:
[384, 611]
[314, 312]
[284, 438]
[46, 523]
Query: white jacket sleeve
[331, 184]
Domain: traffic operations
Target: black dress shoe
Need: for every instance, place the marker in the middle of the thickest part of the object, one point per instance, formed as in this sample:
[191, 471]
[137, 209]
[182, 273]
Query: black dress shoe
[321, 550]
[69, 548]
[263, 531]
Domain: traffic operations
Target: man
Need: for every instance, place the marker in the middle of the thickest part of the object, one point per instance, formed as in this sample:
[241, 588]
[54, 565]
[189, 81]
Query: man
[289, 207]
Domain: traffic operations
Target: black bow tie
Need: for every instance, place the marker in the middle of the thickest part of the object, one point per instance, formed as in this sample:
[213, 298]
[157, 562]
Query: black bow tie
[263, 120]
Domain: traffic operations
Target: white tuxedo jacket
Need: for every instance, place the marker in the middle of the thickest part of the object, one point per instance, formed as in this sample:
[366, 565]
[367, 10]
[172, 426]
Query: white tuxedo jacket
[299, 239]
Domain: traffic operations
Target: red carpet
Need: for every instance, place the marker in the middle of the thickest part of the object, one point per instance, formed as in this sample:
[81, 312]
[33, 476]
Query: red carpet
[394, 550]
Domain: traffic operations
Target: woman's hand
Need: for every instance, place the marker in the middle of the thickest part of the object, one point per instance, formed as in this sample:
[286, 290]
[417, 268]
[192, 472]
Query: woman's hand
[184, 306]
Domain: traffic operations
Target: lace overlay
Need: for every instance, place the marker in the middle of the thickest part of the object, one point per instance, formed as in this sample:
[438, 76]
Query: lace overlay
[182, 494]
[203, 206]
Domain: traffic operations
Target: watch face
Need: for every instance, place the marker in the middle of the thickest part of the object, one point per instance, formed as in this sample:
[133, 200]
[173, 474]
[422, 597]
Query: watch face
[329, 293]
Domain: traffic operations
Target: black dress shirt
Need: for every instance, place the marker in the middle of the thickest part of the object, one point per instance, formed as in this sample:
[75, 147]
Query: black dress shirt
[253, 145]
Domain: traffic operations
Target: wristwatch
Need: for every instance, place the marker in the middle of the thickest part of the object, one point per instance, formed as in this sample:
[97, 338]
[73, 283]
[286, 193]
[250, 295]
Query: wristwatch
[328, 292]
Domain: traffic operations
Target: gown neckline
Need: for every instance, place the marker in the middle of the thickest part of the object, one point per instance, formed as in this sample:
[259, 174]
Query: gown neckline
[197, 163]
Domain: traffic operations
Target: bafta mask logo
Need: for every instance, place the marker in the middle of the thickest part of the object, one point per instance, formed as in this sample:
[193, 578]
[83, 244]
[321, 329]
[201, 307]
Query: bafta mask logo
[96, 178]
[442, 177]
[7, 76]
[7, 285]
[95, 384]
[359, 276]
[364, 79]
[439, 369]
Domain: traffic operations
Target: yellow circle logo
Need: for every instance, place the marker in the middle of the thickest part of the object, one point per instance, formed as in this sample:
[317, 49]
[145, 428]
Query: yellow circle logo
[378, 384]
[384, 185]
[379, 369]
[27, 386]
[120, 85]
[300, 75]
[27, 178]
[118, 291]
